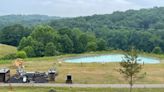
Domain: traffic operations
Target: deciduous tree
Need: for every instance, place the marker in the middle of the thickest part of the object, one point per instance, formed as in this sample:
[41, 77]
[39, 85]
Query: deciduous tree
[130, 68]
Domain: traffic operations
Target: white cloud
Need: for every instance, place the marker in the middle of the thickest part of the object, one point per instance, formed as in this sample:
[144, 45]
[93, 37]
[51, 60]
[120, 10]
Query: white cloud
[73, 7]
[46, 2]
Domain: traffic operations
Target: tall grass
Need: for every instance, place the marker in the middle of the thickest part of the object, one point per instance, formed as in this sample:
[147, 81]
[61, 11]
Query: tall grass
[6, 49]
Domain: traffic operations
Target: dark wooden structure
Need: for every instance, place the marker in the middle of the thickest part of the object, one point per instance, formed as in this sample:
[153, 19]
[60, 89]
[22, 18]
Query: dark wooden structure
[30, 77]
[51, 75]
[69, 79]
[4, 75]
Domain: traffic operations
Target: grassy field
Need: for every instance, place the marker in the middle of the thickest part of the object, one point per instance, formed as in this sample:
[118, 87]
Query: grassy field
[39, 89]
[88, 73]
[6, 49]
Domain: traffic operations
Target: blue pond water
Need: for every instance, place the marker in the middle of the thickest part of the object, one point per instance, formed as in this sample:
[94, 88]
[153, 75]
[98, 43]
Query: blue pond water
[109, 58]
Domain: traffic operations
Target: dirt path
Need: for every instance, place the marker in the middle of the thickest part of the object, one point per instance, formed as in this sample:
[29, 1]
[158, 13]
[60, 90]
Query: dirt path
[84, 85]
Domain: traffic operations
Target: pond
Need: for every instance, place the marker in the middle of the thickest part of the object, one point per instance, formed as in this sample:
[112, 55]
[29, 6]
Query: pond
[109, 58]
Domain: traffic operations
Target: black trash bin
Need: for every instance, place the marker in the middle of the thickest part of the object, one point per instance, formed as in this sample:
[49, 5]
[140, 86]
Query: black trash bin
[69, 79]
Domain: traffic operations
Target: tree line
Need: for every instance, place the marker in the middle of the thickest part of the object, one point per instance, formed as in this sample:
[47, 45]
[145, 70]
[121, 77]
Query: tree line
[46, 41]
[25, 20]
[142, 29]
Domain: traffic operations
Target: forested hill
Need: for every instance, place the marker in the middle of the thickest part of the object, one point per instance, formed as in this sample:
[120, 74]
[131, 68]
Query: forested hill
[132, 19]
[142, 29]
[25, 20]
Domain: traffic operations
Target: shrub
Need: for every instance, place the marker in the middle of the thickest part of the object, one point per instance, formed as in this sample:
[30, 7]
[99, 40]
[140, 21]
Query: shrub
[157, 50]
[21, 54]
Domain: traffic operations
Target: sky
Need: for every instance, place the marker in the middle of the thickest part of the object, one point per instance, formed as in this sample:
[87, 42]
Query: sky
[73, 8]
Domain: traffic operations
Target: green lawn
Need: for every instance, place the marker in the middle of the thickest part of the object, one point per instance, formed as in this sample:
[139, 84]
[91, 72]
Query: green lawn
[88, 73]
[46, 89]
[6, 49]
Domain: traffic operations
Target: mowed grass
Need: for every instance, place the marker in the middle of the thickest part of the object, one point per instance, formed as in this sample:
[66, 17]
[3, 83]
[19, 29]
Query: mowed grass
[6, 49]
[46, 89]
[88, 73]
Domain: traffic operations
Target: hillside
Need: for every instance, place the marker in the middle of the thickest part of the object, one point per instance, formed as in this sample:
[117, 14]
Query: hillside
[25, 20]
[143, 19]
[6, 49]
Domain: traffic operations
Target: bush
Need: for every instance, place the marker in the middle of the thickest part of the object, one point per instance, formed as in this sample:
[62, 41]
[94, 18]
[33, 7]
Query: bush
[21, 54]
[157, 50]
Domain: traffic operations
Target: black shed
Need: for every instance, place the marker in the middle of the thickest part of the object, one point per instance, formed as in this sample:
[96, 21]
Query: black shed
[4, 75]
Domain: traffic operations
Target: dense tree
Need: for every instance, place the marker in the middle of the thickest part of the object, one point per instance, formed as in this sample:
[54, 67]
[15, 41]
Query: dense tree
[38, 43]
[50, 49]
[118, 40]
[122, 30]
[29, 51]
[130, 19]
[45, 41]
[65, 31]
[101, 44]
[75, 41]
[83, 40]
[25, 20]
[44, 34]
[91, 46]
[141, 29]
[67, 44]
[11, 35]
[77, 45]
[38, 49]
[26, 41]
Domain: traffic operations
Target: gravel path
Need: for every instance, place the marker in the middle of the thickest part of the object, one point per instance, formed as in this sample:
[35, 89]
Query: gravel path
[84, 85]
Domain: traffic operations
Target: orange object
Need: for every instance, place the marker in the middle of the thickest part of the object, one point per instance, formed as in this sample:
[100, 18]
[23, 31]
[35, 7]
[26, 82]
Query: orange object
[18, 62]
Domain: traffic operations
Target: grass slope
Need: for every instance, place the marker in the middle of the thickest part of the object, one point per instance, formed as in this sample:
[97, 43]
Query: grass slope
[6, 49]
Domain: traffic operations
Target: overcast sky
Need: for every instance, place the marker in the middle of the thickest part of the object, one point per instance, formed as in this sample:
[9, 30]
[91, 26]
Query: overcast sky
[71, 8]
